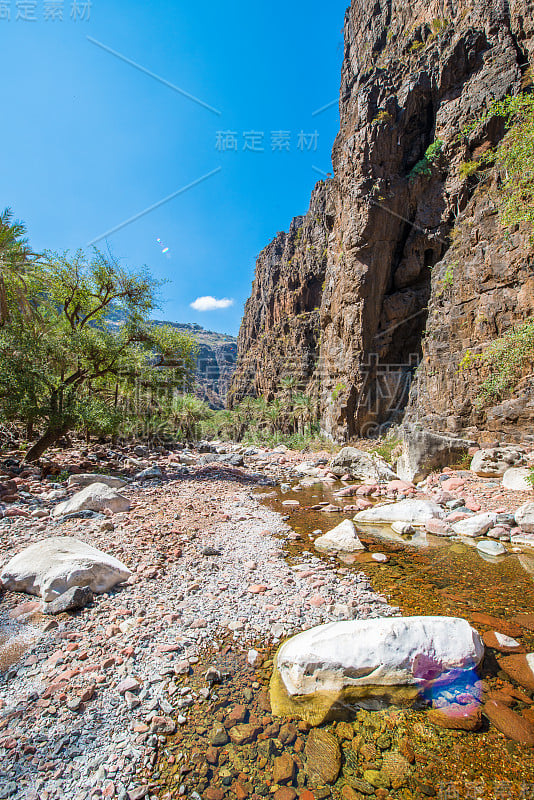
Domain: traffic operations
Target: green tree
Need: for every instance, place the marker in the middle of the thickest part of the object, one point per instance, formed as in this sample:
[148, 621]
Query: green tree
[88, 328]
[187, 411]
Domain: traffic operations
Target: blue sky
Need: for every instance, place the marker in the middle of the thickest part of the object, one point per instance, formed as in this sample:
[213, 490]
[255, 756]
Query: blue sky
[89, 141]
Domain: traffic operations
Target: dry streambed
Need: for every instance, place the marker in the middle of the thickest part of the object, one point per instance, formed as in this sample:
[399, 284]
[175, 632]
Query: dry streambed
[159, 687]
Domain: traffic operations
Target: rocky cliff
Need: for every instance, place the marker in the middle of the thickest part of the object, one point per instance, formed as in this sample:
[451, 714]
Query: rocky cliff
[217, 356]
[402, 259]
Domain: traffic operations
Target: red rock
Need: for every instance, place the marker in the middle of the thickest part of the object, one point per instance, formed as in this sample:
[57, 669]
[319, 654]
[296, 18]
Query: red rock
[214, 793]
[87, 694]
[457, 717]
[520, 668]
[367, 489]
[257, 589]
[306, 795]
[502, 643]
[285, 793]
[456, 516]
[400, 486]
[501, 625]
[15, 512]
[438, 527]
[317, 600]
[238, 714]
[525, 620]
[508, 722]
[128, 685]
[472, 505]
[283, 769]
[452, 484]
[240, 791]
[24, 608]
[362, 505]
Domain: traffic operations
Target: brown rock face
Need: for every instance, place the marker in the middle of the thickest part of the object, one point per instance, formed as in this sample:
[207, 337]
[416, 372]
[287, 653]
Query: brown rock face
[396, 262]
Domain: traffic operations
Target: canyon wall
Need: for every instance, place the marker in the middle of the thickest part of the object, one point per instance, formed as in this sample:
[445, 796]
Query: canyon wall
[401, 266]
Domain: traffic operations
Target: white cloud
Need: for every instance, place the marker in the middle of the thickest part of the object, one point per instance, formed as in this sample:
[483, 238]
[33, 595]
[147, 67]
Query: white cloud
[211, 303]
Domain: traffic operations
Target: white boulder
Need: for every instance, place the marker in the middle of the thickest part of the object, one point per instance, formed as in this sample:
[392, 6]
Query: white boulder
[342, 539]
[493, 462]
[361, 465]
[415, 512]
[86, 479]
[524, 516]
[52, 566]
[95, 497]
[386, 652]
[515, 479]
[491, 548]
[477, 525]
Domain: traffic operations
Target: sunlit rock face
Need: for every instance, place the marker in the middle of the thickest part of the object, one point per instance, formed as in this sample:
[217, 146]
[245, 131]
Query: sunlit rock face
[397, 265]
[321, 672]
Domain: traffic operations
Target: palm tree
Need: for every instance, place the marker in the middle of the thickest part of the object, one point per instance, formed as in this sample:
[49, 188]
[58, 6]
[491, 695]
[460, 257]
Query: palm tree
[303, 408]
[273, 414]
[14, 256]
[186, 412]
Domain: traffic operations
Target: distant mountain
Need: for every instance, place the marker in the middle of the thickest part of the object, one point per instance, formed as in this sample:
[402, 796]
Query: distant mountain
[216, 361]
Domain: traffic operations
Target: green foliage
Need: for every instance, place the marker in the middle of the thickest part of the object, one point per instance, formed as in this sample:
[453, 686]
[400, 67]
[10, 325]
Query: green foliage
[416, 46]
[386, 447]
[530, 477]
[383, 117]
[424, 166]
[186, 412]
[339, 389]
[439, 25]
[513, 157]
[77, 349]
[448, 278]
[505, 361]
[468, 168]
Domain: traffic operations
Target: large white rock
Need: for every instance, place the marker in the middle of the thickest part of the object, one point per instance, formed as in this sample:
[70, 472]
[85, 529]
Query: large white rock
[515, 479]
[424, 451]
[416, 512]
[96, 497]
[477, 525]
[491, 548]
[342, 539]
[51, 566]
[361, 465]
[86, 479]
[395, 651]
[493, 462]
[524, 516]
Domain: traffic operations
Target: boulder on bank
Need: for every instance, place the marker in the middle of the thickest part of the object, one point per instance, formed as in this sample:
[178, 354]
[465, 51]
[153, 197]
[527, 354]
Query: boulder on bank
[342, 539]
[477, 525]
[362, 466]
[322, 669]
[95, 497]
[515, 479]
[86, 479]
[52, 566]
[492, 462]
[416, 512]
[524, 517]
[424, 451]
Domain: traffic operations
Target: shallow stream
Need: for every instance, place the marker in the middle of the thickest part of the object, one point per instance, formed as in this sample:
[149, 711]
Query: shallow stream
[422, 575]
